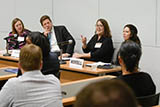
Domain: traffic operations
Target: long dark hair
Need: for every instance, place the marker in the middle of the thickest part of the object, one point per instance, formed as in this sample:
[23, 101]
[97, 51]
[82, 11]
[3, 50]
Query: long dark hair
[130, 52]
[40, 40]
[107, 31]
[134, 33]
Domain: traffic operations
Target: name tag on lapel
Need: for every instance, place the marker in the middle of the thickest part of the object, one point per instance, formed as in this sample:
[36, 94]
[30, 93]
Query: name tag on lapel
[98, 45]
[20, 39]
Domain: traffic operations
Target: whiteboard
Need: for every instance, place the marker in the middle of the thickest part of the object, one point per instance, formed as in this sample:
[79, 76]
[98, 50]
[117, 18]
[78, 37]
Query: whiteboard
[141, 13]
[79, 16]
[30, 11]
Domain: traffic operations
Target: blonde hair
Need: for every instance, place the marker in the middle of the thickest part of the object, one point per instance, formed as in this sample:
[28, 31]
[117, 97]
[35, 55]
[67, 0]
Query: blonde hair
[30, 57]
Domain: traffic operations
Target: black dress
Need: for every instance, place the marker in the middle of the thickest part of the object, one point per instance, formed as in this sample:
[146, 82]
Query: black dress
[141, 83]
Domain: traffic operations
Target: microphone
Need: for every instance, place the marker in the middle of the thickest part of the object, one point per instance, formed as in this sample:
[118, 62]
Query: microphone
[11, 36]
[61, 50]
[65, 42]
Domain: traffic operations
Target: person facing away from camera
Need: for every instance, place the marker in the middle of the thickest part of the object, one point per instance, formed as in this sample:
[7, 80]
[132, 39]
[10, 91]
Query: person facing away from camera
[140, 82]
[32, 89]
[106, 93]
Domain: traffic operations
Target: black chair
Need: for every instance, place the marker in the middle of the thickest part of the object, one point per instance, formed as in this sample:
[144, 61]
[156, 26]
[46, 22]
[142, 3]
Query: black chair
[2, 82]
[148, 101]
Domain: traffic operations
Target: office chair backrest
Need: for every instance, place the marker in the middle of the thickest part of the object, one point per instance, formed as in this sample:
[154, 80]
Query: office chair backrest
[147, 101]
[115, 56]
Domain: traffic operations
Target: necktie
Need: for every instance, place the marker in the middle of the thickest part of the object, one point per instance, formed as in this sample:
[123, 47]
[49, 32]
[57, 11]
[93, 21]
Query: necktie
[49, 36]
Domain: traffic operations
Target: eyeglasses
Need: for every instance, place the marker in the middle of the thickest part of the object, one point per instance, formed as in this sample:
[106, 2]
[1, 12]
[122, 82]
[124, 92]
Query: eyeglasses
[99, 25]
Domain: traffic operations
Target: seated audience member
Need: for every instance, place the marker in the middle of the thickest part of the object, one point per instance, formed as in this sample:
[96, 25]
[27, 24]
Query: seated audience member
[56, 35]
[19, 34]
[106, 93]
[50, 59]
[100, 47]
[32, 89]
[141, 82]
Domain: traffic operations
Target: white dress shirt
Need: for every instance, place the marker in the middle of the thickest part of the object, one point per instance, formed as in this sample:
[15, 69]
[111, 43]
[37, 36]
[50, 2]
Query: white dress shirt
[53, 41]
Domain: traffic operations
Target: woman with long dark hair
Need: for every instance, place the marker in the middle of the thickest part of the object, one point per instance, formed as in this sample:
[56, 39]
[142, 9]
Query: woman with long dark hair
[100, 47]
[50, 59]
[141, 82]
[130, 33]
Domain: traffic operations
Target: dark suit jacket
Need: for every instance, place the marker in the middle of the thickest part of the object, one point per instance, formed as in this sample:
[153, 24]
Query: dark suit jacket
[51, 65]
[104, 53]
[62, 35]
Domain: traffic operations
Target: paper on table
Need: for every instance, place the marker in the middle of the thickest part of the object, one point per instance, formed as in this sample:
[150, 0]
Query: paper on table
[98, 63]
[4, 51]
[66, 58]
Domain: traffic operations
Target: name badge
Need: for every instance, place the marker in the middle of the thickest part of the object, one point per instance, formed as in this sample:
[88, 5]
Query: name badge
[76, 63]
[15, 53]
[98, 45]
[20, 39]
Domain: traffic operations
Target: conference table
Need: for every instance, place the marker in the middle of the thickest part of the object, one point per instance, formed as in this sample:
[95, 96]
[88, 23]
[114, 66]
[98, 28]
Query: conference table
[68, 76]
[67, 73]
[71, 89]
[6, 75]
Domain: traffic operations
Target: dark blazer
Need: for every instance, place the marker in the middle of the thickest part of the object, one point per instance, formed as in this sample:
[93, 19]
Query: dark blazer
[51, 65]
[62, 35]
[103, 53]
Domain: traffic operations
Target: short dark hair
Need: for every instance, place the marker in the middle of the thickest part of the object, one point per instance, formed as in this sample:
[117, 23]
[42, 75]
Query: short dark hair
[134, 33]
[40, 40]
[44, 18]
[130, 52]
[106, 93]
[30, 57]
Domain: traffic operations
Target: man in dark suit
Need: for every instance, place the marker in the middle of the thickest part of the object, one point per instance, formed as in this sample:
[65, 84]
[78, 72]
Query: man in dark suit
[57, 35]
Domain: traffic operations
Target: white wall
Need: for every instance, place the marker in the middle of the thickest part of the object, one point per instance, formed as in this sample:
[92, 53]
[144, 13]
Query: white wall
[150, 62]
[158, 23]
[80, 17]
[121, 12]
[29, 11]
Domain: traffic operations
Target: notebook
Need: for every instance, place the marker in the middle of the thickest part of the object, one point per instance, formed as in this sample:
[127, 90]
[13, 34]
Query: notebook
[12, 70]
